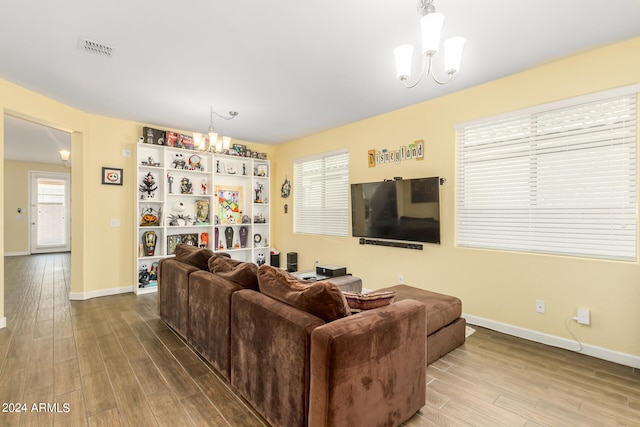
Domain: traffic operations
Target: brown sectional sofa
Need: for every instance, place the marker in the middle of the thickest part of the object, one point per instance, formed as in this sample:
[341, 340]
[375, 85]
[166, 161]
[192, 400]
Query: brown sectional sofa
[295, 367]
[445, 326]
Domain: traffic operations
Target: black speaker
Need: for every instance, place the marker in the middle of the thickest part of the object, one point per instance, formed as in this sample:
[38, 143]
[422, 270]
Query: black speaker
[275, 260]
[292, 262]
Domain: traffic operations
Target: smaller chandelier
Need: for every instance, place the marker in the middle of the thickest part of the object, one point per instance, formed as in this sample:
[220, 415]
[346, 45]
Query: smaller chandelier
[215, 145]
[431, 24]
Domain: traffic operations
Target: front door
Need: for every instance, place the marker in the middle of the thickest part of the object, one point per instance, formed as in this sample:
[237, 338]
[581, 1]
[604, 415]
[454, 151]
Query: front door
[50, 212]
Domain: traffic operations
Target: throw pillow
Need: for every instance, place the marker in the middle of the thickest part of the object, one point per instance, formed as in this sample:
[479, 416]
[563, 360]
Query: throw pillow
[193, 255]
[359, 302]
[322, 299]
[244, 274]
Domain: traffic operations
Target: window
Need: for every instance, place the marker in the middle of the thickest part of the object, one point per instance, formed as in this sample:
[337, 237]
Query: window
[321, 194]
[558, 179]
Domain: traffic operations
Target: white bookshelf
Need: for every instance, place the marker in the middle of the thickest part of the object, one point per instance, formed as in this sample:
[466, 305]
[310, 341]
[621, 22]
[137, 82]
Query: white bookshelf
[195, 206]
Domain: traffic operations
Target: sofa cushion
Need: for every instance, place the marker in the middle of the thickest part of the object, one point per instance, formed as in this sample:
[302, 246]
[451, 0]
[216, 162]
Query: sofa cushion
[322, 299]
[359, 302]
[193, 255]
[244, 274]
[441, 309]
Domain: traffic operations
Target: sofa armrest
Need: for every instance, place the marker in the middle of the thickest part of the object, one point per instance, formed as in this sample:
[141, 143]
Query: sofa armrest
[173, 294]
[210, 318]
[370, 368]
[270, 344]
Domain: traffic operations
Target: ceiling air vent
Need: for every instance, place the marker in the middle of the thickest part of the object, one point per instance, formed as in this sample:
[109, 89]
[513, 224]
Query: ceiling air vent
[96, 47]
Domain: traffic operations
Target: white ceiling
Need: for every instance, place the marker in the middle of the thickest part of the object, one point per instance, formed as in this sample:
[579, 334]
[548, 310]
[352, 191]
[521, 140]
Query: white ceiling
[289, 67]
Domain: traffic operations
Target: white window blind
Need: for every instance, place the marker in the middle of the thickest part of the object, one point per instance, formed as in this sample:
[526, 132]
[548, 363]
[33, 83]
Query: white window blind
[561, 181]
[321, 194]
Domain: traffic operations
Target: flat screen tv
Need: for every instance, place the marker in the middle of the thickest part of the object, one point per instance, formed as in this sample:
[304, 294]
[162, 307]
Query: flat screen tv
[406, 210]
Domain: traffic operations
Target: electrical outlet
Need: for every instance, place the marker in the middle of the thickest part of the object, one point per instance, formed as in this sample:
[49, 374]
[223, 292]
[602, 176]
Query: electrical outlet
[400, 279]
[540, 306]
[584, 317]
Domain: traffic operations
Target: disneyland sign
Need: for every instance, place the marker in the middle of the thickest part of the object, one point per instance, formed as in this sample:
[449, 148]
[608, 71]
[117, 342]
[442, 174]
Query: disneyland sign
[413, 151]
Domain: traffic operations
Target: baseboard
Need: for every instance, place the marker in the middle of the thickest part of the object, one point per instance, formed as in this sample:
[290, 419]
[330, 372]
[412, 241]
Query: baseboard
[555, 341]
[16, 253]
[82, 296]
[3, 322]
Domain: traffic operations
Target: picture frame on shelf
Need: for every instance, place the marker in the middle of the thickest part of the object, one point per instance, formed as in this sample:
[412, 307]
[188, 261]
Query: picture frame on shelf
[189, 239]
[173, 241]
[229, 200]
[111, 176]
[202, 212]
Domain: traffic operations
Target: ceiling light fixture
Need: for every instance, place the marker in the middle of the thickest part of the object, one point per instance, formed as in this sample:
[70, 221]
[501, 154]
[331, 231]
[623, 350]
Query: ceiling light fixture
[431, 24]
[215, 145]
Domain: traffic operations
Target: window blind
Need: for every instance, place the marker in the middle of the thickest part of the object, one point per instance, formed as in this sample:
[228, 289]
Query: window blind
[556, 181]
[321, 194]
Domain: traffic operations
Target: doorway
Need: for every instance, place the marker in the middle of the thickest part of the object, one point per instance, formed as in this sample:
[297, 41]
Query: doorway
[50, 221]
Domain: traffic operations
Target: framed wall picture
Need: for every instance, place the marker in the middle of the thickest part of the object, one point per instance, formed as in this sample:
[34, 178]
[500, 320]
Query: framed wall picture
[112, 176]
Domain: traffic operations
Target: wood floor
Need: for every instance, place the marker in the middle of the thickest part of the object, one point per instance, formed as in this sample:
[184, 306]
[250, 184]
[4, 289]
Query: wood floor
[110, 361]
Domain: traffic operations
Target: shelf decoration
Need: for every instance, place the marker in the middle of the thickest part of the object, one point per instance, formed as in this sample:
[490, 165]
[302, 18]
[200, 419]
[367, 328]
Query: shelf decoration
[186, 187]
[149, 242]
[173, 241]
[202, 212]
[150, 217]
[147, 187]
[229, 203]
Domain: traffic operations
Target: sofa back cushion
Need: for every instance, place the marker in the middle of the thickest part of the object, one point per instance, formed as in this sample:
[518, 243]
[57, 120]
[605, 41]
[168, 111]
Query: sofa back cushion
[244, 274]
[193, 255]
[322, 299]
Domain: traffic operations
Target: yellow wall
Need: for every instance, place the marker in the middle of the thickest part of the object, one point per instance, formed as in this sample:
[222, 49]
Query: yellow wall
[500, 286]
[102, 257]
[16, 195]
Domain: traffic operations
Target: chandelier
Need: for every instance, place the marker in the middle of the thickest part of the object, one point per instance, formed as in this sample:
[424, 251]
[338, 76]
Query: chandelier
[431, 24]
[215, 145]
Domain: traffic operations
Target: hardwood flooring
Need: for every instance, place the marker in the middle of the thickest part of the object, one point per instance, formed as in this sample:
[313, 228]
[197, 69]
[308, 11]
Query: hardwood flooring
[110, 361]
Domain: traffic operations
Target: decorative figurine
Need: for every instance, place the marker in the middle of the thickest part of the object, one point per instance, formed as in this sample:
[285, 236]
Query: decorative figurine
[175, 218]
[148, 187]
[195, 163]
[150, 162]
[244, 169]
[228, 236]
[149, 242]
[204, 240]
[153, 272]
[149, 218]
[185, 186]
[170, 181]
[217, 236]
[179, 162]
[143, 276]
[203, 186]
[260, 261]
[258, 191]
[244, 232]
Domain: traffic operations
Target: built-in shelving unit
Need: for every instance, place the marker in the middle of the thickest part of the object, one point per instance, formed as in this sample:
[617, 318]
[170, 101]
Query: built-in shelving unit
[220, 202]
